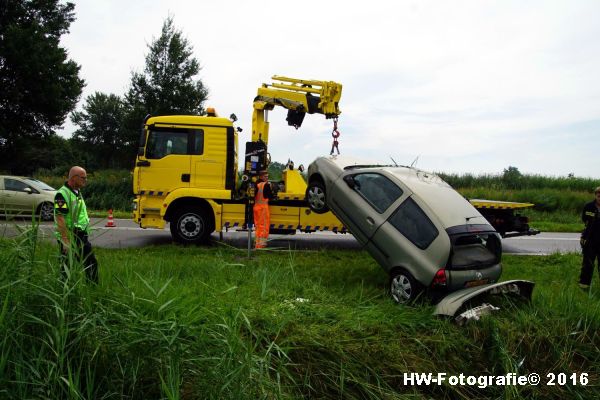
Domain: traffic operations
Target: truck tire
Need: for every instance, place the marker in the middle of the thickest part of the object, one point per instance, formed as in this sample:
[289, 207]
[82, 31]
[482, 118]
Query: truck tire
[192, 226]
[315, 196]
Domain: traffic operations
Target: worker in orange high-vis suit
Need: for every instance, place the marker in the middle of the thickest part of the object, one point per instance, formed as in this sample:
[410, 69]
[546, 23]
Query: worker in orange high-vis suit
[262, 218]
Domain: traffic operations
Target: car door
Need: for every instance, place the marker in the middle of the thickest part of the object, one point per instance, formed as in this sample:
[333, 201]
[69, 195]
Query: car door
[409, 238]
[5, 198]
[363, 200]
[21, 196]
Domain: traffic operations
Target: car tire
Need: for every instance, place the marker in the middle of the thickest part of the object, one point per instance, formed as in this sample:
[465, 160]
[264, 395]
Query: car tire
[46, 211]
[403, 287]
[192, 226]
[315, 196]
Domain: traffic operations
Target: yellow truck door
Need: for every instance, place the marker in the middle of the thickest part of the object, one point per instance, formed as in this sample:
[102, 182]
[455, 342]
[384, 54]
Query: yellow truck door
[209, 162]
[166, 163]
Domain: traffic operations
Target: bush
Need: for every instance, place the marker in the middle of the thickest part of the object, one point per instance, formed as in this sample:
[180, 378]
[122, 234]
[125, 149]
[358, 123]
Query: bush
[108, 189]
[549, 194]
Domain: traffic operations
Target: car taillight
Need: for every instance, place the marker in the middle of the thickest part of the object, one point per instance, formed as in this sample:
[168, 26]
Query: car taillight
[439, 280]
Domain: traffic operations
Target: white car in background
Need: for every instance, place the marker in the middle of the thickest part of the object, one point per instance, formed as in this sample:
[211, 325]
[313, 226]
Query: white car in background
[26, 196]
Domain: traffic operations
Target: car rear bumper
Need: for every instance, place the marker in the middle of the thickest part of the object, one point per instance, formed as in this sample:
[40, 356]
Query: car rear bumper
[450, 304]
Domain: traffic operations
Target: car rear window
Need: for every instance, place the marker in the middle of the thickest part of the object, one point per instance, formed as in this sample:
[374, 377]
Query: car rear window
[473, 250]
[413, 223]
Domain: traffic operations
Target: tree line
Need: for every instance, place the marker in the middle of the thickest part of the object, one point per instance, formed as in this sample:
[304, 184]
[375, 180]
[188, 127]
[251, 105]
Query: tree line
[41, 87]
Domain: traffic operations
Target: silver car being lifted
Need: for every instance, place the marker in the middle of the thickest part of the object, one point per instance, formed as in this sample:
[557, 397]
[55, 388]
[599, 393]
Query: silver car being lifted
[424, 234]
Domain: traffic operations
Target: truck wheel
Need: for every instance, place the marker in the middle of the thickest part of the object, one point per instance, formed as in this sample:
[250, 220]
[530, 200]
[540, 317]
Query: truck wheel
[404, 288]
[191, 226]
[315, 195]
[46, 211]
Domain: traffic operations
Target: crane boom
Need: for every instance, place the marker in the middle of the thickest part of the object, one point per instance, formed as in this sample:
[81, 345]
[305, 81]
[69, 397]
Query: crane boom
[298, 96]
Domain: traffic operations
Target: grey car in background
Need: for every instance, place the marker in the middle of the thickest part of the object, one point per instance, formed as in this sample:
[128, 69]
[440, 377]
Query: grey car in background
[424, 234]
[23, 196]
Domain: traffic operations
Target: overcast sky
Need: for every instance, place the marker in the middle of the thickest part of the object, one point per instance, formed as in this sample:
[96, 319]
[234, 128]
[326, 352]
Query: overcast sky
[465, 86]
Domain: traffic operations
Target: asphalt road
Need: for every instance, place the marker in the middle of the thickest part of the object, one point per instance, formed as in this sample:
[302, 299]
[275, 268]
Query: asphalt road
[127, 234]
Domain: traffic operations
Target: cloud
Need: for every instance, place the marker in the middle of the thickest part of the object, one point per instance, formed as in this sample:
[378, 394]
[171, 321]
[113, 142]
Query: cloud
[468, 85]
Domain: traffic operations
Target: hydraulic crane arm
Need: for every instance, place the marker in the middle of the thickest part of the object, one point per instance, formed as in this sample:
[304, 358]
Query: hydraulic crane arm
[298, 96]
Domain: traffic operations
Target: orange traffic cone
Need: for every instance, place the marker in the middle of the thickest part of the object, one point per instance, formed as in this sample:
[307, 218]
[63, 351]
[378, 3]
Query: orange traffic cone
[111, 222]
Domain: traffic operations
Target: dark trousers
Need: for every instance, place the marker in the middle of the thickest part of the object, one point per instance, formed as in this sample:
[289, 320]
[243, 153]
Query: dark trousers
[591, 253]
[82, 254]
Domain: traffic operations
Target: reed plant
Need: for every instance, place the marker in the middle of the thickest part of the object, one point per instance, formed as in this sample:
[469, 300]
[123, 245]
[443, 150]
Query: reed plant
[170, 322]
[512, 179]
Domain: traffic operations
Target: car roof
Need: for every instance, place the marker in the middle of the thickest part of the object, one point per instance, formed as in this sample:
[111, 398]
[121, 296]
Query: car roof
[30, 180]
[450, 207]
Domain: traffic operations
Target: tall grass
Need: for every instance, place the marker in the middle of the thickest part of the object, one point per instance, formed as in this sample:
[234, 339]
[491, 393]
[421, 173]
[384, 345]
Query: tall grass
[174, 322]
[558, 201]
[518, 181]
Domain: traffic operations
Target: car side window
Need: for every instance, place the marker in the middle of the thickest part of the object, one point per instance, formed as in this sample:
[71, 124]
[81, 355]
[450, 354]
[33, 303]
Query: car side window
[378, 190]
[413, 223]
[14, 185]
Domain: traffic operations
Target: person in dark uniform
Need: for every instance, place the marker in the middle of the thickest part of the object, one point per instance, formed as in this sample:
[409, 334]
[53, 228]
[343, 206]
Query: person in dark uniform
[590, 240]
[72, 225]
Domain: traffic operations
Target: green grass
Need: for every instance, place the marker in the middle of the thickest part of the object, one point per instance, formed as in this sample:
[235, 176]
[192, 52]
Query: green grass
[192, 323]
[514, 180]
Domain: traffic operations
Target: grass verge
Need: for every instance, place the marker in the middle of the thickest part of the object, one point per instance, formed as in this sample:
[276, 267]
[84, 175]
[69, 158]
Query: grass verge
[189, 323]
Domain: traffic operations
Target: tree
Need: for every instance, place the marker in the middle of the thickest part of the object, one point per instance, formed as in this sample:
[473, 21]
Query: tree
[511, 177]
[51, 153]
[40, 85]
[168, 84]
[100, 131]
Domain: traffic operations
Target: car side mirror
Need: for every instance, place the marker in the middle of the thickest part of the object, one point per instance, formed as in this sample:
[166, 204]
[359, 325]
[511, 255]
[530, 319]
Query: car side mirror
[349, 179]
[141, 151]
[28, 190]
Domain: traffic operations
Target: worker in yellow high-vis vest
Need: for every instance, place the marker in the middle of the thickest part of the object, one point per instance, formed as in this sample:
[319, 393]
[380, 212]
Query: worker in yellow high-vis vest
[262, 218]
[72, 225]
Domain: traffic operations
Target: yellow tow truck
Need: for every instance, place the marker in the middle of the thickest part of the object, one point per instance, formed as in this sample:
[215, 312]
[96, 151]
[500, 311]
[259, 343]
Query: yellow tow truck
[504, 216]
[186, 171]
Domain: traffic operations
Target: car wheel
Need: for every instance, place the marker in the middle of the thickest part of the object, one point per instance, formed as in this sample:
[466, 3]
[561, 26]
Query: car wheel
[404, 288]
[46, 211]
[191, 226]
[315, 195]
